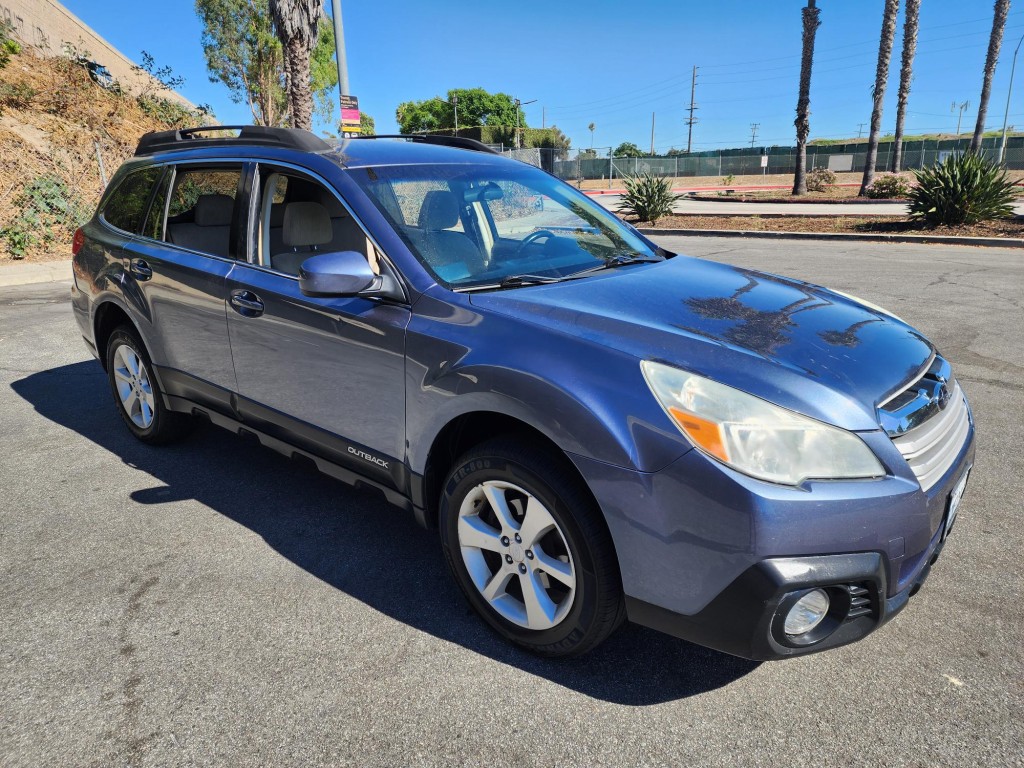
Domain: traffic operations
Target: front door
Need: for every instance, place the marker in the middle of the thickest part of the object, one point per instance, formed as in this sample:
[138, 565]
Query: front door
[326, 374]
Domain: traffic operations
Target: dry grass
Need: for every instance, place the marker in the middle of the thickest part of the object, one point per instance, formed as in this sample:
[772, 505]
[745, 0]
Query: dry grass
[56, 135]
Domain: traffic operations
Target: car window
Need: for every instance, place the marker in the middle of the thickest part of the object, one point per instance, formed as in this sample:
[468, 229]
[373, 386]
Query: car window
[154, 226]
[126, 207]
[475, 225]
[201, 208]
[298, 217]
[411, 196]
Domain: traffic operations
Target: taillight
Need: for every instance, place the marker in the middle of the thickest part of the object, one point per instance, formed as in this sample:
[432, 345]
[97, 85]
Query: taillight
[77, 242]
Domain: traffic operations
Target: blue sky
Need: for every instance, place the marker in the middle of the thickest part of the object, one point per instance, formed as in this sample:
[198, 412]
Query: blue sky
[614, 64]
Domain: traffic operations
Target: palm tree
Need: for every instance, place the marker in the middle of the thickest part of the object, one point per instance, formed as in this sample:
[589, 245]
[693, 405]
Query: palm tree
[995, 40]
[878, 92]
[906, 72]
[296, 23]
[591, 129]
[803, 102]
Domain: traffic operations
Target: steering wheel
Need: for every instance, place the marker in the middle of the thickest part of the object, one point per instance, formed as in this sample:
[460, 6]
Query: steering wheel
[540, 234]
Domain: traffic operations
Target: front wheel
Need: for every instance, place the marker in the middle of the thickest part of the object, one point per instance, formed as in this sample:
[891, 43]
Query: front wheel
[529, 549]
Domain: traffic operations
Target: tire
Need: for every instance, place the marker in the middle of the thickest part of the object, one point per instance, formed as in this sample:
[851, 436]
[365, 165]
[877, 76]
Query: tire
[136, 391]
[526, 544]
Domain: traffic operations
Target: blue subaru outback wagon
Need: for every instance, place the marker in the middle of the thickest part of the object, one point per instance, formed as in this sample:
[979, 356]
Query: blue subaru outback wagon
[601, 430]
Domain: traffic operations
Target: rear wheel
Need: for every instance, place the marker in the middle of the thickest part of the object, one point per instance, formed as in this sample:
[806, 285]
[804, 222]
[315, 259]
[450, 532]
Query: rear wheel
[137, 393]
[530, 551]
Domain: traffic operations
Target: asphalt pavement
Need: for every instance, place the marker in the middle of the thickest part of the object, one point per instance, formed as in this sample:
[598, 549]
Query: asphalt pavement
[211, 603]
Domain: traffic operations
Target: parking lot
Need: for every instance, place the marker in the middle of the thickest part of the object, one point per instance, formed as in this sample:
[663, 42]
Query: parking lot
[212, 603]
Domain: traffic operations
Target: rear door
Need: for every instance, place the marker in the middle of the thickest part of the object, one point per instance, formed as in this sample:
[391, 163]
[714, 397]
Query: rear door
[179, 263]
[324, 373]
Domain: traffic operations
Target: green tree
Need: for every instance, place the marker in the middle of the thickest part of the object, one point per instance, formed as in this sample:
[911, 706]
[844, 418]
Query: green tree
[627, 149]
[297, 23]
[366, 125]
[476, 107]
[244, 54]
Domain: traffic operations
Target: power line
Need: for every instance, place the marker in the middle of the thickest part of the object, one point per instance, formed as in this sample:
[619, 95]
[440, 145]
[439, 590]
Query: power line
[753, 133]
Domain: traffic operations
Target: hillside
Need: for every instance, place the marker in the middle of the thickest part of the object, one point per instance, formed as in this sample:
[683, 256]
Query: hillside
[54, 124]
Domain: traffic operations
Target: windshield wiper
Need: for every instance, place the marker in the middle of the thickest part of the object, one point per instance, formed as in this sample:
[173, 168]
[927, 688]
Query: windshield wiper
[618, 260]
[514, 281]
[510, 281]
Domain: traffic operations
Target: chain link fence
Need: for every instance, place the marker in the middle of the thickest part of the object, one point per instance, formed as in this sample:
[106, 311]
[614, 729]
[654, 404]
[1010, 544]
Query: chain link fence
[590, 164]
[40, 210]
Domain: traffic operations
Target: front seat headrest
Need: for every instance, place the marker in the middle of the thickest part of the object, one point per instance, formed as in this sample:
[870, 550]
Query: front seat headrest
[306, 224]
[440, 210]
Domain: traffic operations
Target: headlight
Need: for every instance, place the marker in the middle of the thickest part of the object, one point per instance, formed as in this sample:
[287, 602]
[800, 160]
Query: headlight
[754, 436]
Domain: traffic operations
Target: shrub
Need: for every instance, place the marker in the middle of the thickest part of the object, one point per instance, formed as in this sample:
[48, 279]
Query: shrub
[47, 209]
[888, 186]
[8, 45]
[647, 197]
[16, 95]
[820, 179]
[728, 180]
[965, 189]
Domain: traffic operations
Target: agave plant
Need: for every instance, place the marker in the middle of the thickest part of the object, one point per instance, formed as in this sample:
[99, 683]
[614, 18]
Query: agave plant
[965, 189]
[647, 197]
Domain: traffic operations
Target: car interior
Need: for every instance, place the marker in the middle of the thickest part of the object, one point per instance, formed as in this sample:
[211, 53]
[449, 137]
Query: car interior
[299, 218]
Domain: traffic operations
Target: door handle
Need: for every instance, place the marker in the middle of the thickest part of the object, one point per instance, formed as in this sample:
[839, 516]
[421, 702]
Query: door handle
[140, 269]
[247, 303]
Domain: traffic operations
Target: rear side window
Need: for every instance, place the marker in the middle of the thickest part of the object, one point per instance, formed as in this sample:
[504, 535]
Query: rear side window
[200, 211]
[126, 208]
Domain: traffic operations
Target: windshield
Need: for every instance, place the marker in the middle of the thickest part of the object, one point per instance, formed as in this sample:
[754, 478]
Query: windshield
[476, 226]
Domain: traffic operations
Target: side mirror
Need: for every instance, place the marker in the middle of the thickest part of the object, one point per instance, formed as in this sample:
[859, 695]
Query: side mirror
[342, 273]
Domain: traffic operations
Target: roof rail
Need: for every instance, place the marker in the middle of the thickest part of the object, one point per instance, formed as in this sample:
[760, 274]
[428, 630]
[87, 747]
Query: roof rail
[191, 138]
[458, 142]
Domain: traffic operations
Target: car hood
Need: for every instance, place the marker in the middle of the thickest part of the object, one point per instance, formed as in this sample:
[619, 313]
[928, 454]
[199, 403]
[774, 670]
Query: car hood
[792, 343]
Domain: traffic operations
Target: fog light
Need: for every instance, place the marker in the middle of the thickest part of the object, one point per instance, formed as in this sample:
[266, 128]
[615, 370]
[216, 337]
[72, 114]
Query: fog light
[806, 613]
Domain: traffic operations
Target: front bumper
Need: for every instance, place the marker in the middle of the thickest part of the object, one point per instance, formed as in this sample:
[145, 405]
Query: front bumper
[745, 620]
[709, 555]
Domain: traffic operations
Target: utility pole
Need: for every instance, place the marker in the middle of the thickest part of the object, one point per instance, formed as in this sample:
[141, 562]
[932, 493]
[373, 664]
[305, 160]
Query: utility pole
[652, 134]
[953, 108]
[543, 117]
[455, 105]
[753, 133]
[339, 46]
[860, 129]
[516, 142]
[518, 105]
[691, 119]
[1009, 91]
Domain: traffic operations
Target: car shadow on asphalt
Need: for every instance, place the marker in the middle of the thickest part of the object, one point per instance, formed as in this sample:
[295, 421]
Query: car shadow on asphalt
[356, 542]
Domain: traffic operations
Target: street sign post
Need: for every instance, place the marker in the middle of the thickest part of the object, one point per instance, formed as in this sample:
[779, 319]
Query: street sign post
[349, 115]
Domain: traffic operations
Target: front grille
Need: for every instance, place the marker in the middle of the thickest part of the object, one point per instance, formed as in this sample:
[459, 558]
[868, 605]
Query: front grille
[928, 422]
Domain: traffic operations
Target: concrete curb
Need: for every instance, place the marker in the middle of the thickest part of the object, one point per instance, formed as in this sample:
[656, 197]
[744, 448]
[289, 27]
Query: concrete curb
[34, 272]
[990, 242]
[799, 201]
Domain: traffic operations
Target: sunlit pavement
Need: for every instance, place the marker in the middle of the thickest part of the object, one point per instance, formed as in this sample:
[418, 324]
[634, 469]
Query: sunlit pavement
[212, 603]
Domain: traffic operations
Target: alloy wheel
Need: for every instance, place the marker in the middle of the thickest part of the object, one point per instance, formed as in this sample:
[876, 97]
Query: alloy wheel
[516, 555]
